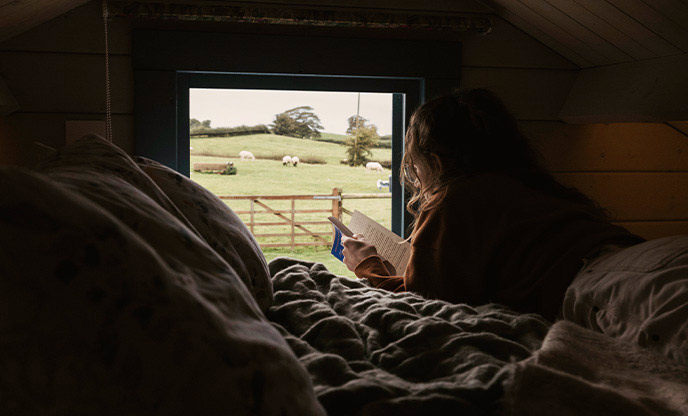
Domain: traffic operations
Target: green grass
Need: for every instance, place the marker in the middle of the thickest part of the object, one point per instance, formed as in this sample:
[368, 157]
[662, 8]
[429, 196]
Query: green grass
[271, 144]
[319, 255]
[269, 177]
[333, 137]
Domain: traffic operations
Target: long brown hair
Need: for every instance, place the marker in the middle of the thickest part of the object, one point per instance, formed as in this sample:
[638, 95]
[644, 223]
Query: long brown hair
[469, 132]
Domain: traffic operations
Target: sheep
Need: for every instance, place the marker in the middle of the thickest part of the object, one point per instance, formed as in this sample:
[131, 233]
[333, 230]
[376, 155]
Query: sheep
[295, 160]
[370, 166]
[383, 184]
[286, 160]
[246, 155]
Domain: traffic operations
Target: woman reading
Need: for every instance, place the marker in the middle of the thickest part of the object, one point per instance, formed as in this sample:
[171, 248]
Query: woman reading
[492, 225]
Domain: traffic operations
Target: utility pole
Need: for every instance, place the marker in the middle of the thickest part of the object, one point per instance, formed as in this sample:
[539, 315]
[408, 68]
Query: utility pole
[358, 120]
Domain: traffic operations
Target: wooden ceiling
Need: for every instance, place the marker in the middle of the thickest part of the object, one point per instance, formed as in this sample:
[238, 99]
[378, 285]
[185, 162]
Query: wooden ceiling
[17, 16]
[593, 33]
[589, 33]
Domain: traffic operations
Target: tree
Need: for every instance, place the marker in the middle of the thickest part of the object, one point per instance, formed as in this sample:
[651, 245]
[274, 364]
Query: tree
[355, 121]
[359, 143]
[195, 125]
[297, 122]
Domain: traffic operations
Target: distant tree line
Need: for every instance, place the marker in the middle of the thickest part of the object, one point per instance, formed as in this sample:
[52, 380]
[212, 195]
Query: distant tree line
[302, 122]
[203, 128]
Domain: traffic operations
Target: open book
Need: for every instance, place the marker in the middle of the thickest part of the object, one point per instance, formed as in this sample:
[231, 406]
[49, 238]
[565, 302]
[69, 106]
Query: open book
[389, 246]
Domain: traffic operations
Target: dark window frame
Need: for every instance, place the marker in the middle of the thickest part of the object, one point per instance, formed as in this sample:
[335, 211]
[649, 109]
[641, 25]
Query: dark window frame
[168, 63]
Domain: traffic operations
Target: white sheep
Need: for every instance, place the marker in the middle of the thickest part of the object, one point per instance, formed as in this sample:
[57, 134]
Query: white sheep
[246, 155]
[295, 160]
[286, 160]
[370, 166]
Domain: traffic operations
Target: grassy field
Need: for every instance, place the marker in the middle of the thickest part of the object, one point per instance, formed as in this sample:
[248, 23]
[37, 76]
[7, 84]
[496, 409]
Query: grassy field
[333, 137]
[272, 144]
[269, 177]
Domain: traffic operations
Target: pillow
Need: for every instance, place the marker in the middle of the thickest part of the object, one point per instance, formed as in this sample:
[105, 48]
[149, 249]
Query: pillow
[95, 155]
[221, 228]
[132, 316]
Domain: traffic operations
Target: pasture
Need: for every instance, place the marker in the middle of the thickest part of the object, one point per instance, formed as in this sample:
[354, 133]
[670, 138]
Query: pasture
[270, 177]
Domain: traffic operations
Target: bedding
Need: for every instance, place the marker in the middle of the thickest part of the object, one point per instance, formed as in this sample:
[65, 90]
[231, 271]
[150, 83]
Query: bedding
[120, 294]
[370, 351]
[582, 372]
[111, 305]
[219, 226]
[195, 208]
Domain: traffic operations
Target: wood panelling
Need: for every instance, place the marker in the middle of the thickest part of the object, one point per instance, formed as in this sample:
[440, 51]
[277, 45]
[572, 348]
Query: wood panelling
[656, 229]
[67, 83]
[646, 14]
[638, 171]
[509, 47]
[530, 94]
[680, 126]
[650, 90]
[641, 196]
[19, 130]
[537, 33]
[604, 31]
[508, 9]
[19, 15]
[675, 10]
[552, 11]
[63, 78]
[627, 24]
[601, 32]
[609, 147]
[505, 46]
[78, 31]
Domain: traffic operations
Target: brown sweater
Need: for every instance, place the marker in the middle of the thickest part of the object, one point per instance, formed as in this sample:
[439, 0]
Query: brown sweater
[493, 239]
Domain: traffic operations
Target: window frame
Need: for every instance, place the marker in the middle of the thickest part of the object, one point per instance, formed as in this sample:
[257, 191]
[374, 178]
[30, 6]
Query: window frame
[167, 64]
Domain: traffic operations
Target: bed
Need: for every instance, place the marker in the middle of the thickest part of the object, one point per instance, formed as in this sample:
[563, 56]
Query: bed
[128, 289]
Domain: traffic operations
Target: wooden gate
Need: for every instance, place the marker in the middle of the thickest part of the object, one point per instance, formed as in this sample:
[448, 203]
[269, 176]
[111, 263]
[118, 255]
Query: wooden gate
[259, 205]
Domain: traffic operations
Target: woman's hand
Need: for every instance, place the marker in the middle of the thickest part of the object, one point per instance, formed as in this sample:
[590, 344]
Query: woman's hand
[355, 250]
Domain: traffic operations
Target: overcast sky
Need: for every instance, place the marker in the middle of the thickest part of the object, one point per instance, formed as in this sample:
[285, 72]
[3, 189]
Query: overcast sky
[229, 108]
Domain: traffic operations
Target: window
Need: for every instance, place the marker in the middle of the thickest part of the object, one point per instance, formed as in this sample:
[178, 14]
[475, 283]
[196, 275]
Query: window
[279, 159]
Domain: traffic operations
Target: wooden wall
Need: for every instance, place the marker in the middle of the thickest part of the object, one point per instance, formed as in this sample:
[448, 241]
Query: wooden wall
[637, 170]
[56, 72]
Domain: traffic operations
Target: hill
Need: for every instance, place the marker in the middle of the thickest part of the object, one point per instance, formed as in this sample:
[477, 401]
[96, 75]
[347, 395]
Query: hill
[269, 146]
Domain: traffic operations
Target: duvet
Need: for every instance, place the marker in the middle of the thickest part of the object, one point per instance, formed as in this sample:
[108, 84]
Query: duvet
[374, 352]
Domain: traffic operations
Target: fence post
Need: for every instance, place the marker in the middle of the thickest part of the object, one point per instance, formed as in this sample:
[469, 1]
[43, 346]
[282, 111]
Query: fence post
[336, 208]
[252, 218]
[293, 226]
[337, 204]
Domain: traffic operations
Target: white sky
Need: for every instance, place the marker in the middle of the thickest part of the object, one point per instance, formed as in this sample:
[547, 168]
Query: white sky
[229, 108]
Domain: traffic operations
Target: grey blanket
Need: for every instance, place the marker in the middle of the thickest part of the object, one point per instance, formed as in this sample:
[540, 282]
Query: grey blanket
[581, 372]
[370, 351]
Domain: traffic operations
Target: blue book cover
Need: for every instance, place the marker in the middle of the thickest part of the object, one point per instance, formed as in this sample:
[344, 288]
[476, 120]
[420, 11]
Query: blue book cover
[337, 246]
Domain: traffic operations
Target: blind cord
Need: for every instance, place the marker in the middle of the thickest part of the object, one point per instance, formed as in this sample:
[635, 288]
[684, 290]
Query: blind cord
[108, 106]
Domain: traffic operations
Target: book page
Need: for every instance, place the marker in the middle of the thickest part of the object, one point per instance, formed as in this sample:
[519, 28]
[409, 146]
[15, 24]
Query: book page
[389, 246]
